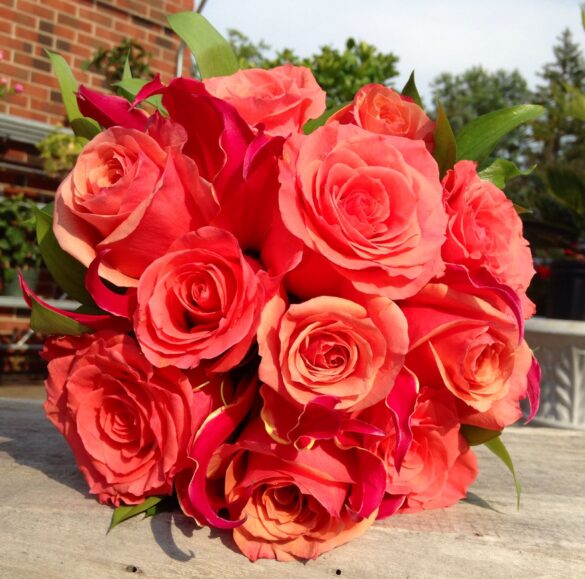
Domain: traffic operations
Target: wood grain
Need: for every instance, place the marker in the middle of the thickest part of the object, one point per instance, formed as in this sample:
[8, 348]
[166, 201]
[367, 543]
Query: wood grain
[50, 527]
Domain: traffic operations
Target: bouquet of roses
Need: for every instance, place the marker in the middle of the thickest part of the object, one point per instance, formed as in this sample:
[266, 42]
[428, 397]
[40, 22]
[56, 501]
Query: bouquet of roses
[296, 321]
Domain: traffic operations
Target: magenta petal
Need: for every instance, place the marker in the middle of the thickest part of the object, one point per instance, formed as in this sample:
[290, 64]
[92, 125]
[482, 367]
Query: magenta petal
[401, 402]
[368, 491]
[110, 110]
[390, 504]
[152, 88]
[104, 297]
[533, 390]
[483, 279]
[214, 432]
[94, 322]
[317, 421]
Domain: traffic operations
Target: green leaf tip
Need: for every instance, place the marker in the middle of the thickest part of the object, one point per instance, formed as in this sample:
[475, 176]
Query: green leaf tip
[124, 513]
[411, 91]
[445, 152]
[499, 449]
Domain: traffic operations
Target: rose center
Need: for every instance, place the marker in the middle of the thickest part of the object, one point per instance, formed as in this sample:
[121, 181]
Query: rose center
[364, 205]
[324, 353]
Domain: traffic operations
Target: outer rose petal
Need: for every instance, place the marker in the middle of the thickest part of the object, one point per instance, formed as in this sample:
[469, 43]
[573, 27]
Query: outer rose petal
[382, 110]
[332, 347]
[470, 345]
[368, 204]
[200, 301]
[127, 423]
[485, 231]
[439, 466]
[296, 501]
[283, 98]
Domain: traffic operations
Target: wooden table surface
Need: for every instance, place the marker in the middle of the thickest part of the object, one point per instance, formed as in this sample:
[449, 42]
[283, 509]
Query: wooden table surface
[50, 526]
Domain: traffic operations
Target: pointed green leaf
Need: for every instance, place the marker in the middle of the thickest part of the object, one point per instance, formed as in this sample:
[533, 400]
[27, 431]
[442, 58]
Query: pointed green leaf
[124, 513]
[521, 210]
[313, 124]
[127, 73]
[479, 138]
[476, 435]
[501, 171]
[445, 151]
[66, 271]
[46, 321]
[499, 449]
[87, 128]
[213, 53]
[411, 91]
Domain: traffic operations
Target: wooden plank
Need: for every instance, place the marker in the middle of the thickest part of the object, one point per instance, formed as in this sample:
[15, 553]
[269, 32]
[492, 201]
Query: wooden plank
[51, 528]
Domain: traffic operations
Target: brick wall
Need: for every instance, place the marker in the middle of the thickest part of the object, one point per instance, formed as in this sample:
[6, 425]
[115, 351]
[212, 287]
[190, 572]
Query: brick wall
[75, 28]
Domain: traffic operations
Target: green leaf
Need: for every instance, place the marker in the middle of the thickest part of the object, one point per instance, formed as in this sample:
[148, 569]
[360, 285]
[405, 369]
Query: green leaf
[213, 53]
[46, 321]
[124, 513]
[521, 210]
[411, 91]
[127, 73]
[479, 138]
[445, 145]
[499, 449]
[501, 171]
[568, 188]
[85, 127]
[66, 271]
[476, 435]
[68, 85]
[313, 124]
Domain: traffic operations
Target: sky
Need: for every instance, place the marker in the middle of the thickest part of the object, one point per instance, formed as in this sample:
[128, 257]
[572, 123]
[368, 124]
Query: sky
[429, 36]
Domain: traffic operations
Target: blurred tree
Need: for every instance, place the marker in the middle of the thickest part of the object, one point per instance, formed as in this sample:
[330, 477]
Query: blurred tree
[559, 134]
[476, 92]
[341, 73]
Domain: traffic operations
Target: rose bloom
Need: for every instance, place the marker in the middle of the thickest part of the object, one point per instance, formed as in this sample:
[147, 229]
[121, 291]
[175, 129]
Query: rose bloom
[132, 196]
[296, 504]
[282, 99]
[128, 424]
[368, 206]
[439, 465]
[382, 110]
[328, 347]
[467, 342]
[201, 300]
[484, 230]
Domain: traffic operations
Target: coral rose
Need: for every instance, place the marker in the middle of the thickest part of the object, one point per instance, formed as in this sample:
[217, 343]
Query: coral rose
[200, 301]
[485, 231]
[129, 196]
[382, 110]
[127, 423]
[369, 206]
[439, 465]
[282, 99]
[468, 340]
[328, 349]
[299, 504]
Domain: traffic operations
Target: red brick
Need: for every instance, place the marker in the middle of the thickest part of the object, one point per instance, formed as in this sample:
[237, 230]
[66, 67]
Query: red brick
[96, 17]
[27, 113]
[14, 72]
[40, 11]
[75, 23]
